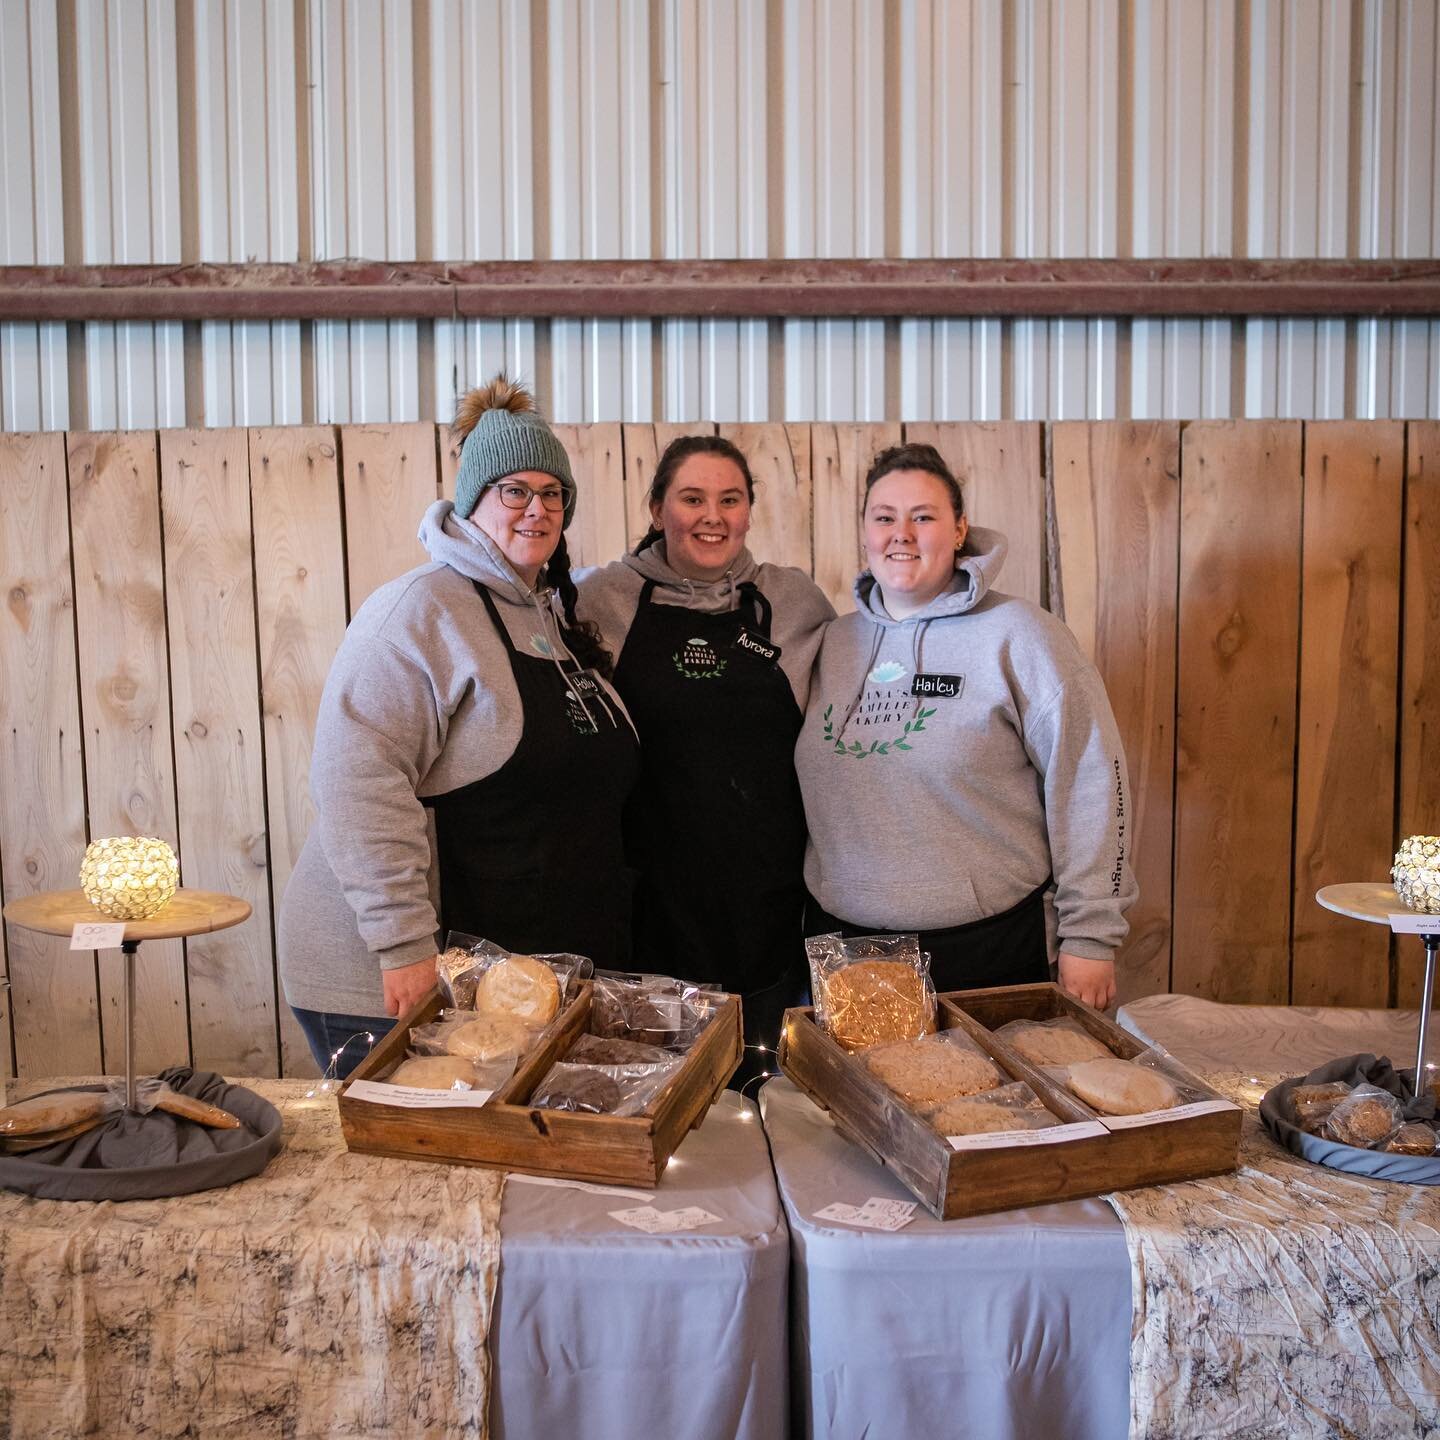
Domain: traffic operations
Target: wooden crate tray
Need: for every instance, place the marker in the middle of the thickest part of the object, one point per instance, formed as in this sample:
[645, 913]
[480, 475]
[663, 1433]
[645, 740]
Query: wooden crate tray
[1034, 1171]
[508, 1134]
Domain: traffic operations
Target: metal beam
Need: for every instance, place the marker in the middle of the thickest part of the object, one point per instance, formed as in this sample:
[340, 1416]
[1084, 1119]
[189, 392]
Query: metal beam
[374, 289]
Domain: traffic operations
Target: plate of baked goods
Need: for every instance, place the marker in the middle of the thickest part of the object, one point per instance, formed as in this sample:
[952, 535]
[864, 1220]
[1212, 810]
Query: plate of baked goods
[1361, 1115]
[528, 1062]
[986, 1100]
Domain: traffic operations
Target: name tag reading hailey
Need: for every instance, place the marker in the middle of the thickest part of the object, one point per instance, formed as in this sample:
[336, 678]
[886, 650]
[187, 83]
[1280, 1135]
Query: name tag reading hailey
[944, 687]
[758, 646]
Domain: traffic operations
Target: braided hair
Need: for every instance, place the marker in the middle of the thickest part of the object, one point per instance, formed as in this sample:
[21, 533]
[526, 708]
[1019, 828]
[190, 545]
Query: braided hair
[582, 637]
[677, 452]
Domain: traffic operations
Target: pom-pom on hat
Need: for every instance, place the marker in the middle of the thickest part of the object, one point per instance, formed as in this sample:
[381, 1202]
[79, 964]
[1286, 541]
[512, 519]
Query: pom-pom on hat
[504, 434]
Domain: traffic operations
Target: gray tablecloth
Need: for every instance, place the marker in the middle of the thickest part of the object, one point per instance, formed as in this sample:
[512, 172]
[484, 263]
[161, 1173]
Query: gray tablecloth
[1005, 1326]
[602, 1331]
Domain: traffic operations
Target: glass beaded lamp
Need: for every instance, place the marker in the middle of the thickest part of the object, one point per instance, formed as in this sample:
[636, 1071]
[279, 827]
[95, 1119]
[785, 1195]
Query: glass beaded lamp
[1416, 873]
[129, 877]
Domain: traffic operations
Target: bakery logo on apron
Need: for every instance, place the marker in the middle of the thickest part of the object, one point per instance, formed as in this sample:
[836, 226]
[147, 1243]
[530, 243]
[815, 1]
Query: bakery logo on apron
[696, 660]
[584, 685]
[890, 711]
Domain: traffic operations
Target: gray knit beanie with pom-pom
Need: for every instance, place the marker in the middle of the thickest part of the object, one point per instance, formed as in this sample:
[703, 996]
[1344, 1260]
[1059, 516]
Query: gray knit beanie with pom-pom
[504, 435]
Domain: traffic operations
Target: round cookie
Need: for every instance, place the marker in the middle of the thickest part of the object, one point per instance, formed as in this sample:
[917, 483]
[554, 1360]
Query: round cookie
[922, 1071]
[1116, 1087]
[612, 1050]
[1055, 1045]
[519, 985]
[1413, 1138]
[488, 1036]
[975, 1117]
[580, 1088]
[433, 1072]
[871, 1002]
[1362, 1121]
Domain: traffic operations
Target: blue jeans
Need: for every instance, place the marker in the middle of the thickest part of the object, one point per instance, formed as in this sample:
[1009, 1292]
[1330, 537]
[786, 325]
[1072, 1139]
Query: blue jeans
[328, 1034]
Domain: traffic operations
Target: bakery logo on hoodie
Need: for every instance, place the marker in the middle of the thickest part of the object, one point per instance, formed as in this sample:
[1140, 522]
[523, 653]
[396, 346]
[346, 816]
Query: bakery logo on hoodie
[696, 660]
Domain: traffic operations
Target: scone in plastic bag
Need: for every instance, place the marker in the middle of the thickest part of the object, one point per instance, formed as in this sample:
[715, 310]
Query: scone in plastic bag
[603, 1089]
[1150, 1082]
[1052, 1042]
[1367, 1118]
[871, 989]
[932, 1067]
[651, 1009]
[1006, 1108]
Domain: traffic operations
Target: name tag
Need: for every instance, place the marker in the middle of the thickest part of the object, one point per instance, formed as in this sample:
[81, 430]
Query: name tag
[583, 682]
[758, 646]
[945, 687]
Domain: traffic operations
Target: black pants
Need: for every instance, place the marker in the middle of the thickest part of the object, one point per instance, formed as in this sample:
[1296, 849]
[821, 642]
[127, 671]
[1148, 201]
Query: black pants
[763, 1013]
[1004, 949]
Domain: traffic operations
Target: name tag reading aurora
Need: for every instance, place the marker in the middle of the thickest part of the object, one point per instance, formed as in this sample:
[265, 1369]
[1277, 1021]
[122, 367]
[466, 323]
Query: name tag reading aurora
[943, 687]
[757, 646]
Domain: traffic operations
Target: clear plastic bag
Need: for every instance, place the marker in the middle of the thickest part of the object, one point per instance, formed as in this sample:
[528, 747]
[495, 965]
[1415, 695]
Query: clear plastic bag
[619, 1090]
[871, 989]
[1149, 1082]
[1367, 1118]
[1052, 1042]
[653, 1009]
[614, 1050]
[451, 1072]
[464, 971]
[1008, 1107]
[474, 1036]
[61, 1110]
[1414, 1137]
[932, 1068]
[1313, 1103]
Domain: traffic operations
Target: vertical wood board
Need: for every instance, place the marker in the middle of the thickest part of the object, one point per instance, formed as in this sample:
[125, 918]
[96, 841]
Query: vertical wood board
[125, 695]
[1349, 677]
[300, 607]
[42, 800]
[390, 480]
[1239, 638]
[1002, 478]
[1117, 508]
[220, 795]
[840, 456]
[779, 460]
[597, 532]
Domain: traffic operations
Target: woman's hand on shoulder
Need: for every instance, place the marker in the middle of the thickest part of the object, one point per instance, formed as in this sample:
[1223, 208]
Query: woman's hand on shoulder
[1090, 981]
[406, 984]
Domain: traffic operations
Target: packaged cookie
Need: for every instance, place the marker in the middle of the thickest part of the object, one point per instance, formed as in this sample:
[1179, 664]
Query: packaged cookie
[1367, 1118]
[603, 1089]
[474, 1036]
[871, 989]
[1313, 1103]
[932, 1068]
[614, 1050]
[651, 1009]
[59, 1110]
[1008, 1107]
[434, 1072]
[1052, 1042]
[1414, 1137]
[477, 974]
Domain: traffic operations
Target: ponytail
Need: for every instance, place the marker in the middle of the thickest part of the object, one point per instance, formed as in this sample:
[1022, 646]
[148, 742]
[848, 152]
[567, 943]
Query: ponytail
[582, 637]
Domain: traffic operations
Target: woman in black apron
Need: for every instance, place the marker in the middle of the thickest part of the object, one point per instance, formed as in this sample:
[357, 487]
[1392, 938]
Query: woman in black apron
[471, 762]
[714, 657]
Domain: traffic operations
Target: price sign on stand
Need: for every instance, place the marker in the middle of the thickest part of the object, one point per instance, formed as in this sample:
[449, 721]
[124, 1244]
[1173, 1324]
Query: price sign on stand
[97, 935]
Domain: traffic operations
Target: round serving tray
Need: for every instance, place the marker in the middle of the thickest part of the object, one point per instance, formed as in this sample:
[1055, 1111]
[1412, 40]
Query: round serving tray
[223, 1161]
[1373, 1164]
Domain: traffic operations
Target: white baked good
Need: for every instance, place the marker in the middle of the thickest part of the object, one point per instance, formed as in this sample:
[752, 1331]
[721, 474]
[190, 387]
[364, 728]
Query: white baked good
[489, 1036]
[434, 1072]
[1054, 1044]
[521, 986]
[1116, 1087]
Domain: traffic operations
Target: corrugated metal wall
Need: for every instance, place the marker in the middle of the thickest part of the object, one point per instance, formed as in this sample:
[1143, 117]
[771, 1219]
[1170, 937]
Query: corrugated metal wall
[173, 130]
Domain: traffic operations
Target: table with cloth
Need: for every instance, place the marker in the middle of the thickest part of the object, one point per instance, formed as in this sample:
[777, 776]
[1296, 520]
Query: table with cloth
[1020, 1324]
[340, 1294]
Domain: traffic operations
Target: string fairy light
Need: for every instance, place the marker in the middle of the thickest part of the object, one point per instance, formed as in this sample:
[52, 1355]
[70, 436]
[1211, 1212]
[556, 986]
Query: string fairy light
[330, 1081]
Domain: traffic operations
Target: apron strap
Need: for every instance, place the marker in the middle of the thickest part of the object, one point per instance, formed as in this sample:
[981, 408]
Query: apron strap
[750, 591]
[646, 591]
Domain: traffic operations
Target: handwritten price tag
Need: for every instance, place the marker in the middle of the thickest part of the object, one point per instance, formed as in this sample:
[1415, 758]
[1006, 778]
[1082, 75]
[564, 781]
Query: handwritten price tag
[1412, 922]
[97, 935]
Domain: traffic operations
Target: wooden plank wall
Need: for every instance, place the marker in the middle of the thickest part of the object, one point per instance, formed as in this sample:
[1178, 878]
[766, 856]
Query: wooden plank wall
[1262, 598]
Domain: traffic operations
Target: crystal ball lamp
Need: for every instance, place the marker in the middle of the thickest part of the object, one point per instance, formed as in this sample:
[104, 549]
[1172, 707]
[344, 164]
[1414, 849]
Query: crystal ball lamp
[129, 877]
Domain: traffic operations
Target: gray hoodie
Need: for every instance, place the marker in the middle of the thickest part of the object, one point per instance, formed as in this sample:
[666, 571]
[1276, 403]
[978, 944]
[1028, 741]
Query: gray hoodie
[420, 700]
[935, 809]
[610, 596]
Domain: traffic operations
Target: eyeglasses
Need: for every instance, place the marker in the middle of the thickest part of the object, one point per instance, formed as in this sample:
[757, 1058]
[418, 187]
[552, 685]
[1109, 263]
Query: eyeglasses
[515, 496]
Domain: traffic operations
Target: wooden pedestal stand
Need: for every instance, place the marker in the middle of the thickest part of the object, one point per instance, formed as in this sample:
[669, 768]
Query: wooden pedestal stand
[189, 912]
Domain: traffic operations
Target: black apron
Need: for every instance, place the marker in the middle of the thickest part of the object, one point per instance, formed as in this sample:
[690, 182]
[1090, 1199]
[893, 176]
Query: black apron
[716, 828]
[530, 857]
[1004, 949]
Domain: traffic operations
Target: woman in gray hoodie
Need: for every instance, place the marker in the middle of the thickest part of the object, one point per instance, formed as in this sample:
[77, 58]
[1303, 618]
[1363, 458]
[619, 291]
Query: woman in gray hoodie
[713, 660]
[959, 757]
[471, 761]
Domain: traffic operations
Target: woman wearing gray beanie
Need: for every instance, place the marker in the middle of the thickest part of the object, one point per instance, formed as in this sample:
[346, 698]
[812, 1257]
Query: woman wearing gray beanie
[471, 760]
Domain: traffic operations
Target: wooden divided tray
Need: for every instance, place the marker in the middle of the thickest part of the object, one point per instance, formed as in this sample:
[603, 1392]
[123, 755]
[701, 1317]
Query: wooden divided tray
[507, 1134]
[1035, 1169]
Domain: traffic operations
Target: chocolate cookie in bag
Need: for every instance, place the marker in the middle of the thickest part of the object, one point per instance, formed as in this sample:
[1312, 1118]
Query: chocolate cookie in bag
[871, 989]
[652, 1009]
[619, 1090]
